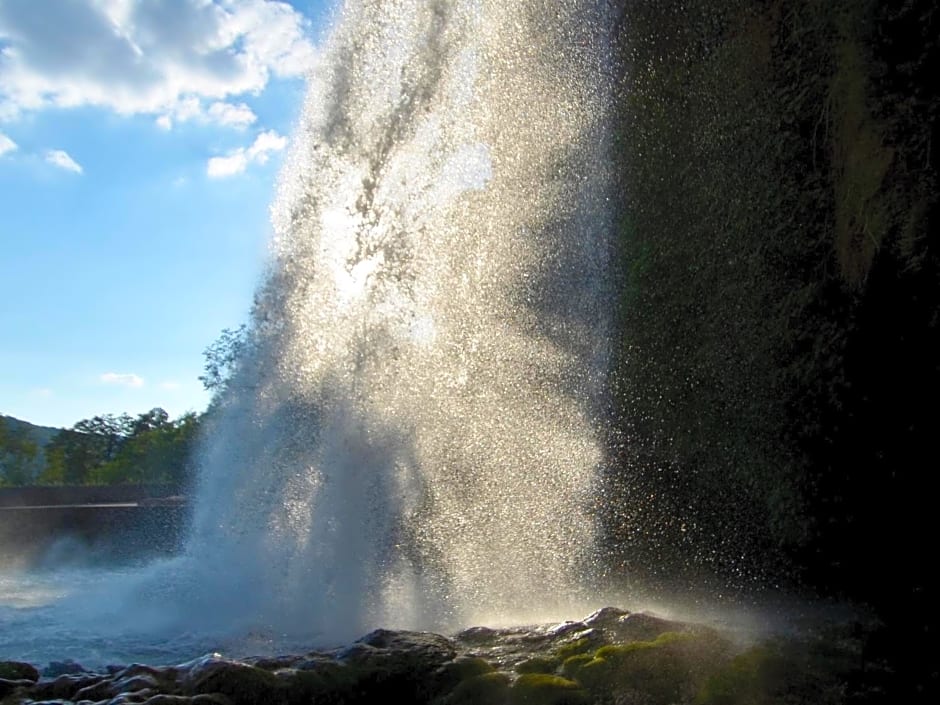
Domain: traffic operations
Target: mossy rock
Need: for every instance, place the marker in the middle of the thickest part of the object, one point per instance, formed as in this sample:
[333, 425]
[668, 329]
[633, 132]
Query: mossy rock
[546, 689]
[464, 667]
[573, 664]
[752, 678]
[17, 670]
[579, 646]
[668, 669]
[485, 689]
[461, 669]
[539, 664]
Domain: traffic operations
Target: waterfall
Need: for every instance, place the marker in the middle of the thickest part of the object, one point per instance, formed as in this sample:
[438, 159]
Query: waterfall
[414, 437]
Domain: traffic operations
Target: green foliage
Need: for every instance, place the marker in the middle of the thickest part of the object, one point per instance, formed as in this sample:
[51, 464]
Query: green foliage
[18, 455]
[152, 453]
[223, 357]
[122, 449]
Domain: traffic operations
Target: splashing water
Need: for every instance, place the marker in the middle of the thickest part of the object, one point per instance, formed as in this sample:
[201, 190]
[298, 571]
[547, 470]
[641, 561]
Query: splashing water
[415, 437]
[413, 442]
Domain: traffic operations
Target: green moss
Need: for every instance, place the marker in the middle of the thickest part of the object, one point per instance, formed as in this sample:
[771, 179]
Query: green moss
[665, 670]
[580, 646]
[490, 688]
[546, 689]
[467, 667]
[664, 639]
[572, 665]
[752, 678]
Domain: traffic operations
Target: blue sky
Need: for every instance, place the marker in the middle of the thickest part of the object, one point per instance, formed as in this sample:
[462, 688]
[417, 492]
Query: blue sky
[140, 143]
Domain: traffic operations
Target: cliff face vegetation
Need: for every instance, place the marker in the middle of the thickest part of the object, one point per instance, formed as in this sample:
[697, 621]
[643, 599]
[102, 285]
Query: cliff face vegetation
[780, 359]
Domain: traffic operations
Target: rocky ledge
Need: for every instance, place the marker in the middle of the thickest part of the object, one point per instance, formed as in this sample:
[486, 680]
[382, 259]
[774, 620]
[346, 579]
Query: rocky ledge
[611, 657]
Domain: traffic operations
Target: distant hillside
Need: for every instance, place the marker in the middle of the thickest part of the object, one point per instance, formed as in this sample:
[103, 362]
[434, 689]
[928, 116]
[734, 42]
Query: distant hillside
[40, 435]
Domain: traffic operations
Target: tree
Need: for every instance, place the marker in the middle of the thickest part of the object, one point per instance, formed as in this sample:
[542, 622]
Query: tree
[157, 451]
[18, 455]
[222, 359]
[72, 454]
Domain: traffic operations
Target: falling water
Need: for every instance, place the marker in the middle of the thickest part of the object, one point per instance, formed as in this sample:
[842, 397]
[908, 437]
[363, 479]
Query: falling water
[413, 438]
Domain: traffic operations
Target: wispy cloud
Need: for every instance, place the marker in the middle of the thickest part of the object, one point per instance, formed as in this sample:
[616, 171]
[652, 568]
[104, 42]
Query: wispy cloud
[6, 144]
[43, 392]
[122, 379]
[237, 161]
[238, 115]
[170, 385]
[61, 159]
[176, 61]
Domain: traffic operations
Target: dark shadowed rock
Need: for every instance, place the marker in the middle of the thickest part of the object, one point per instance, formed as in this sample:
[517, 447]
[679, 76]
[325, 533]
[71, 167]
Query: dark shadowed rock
[64, 687]
[61, 668]
[10, 686]
[397, 665]
[241, 683]
[17, 670]
[164, 699]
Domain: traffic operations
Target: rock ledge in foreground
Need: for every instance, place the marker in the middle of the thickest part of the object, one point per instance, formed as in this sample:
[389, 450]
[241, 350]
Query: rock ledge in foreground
[612, 657]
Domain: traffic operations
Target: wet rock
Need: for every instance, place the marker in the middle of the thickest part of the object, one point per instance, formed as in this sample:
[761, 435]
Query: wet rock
[8, 686]
[64, 687]
[60, 668]
[17, 670]
[597, 661]
[138, 669]
[490, 688]
[275, 663]
[605, 616]
[102, 690]
[399, 664]
[241, 683]
[131, 698]
[477, 636]
[108, 689]
[546, 689]
[164, 699]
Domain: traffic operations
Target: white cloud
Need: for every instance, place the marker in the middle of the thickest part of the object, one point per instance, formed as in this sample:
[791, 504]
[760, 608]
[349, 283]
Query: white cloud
[237, 161]
[122, 379]
[221, 167]
[44, 393]
[61, 159]
[239, 115]
[264, 144]
[6, 144]
[166, 59]
[170, 386]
